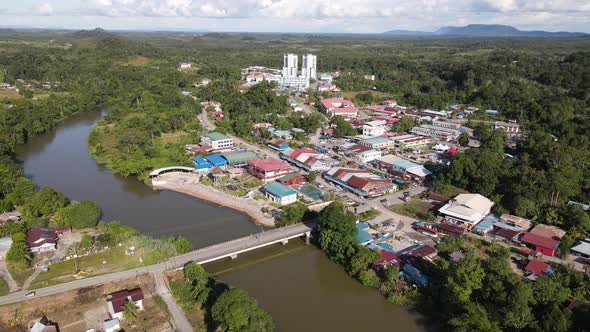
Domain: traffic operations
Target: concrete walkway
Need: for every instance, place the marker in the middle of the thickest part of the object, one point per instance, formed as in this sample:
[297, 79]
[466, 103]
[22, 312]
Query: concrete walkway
[180, 322]
[12, 286]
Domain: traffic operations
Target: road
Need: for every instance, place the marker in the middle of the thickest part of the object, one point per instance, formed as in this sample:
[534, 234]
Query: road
[181, 323]
[200, 255]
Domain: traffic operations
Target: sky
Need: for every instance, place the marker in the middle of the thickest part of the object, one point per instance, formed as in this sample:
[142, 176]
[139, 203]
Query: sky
[333, 16]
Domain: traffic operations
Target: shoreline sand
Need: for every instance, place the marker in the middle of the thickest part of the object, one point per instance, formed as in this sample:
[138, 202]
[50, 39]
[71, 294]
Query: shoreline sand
[189, 184]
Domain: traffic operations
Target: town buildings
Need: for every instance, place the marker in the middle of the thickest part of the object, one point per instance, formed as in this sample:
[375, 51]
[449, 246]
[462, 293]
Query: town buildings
[367, 156]
[116, 301]
[437, 132]
[375, 128]
[43, 239]
[308, 159]
[543, 238]
[466, 209]
[403, 168]
[407, 141]
[13, 216]
[338, 107]
[378, 143]
[268, 169]
[217, 141]
[309, 66]
[511, 128]
[290, 64]
[359, 181]
[280, 194]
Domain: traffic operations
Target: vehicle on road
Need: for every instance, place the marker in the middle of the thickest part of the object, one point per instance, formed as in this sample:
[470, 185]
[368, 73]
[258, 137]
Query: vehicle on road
[30, 294]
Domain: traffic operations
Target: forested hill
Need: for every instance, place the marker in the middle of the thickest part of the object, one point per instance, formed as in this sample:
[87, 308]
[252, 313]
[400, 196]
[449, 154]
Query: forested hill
[484, 30]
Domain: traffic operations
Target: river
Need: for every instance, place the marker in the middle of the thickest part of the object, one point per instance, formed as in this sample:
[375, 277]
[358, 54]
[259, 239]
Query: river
[296, 283]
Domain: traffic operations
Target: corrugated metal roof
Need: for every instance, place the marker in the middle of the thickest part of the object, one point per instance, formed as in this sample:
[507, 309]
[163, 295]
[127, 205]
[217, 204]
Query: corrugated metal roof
[277, 189]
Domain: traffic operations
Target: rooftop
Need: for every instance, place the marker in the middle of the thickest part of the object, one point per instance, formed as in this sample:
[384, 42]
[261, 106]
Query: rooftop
[215, 136]
[377, 140]
[269, 165]
[277, 189]
[538, 240]
[469, 207]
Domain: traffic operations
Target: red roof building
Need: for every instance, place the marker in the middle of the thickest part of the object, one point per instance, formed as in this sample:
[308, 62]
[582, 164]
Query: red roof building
[338, 106]
[539, 243]
[292, 179]
[438, 199]
[538, 268]
[116, 301]
[268, 169]
[451, 229]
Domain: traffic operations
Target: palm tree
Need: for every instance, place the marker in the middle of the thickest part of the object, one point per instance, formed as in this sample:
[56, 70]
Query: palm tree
[130, 311]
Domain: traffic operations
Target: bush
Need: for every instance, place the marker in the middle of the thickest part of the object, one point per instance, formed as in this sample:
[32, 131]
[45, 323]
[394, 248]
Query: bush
[79, 215]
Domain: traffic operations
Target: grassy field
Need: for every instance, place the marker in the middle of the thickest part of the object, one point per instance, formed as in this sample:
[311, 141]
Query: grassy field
[368, 214]
[9, 93]
[450, 191]
[20, 276]
[112, 260]
[3, 287]
[415, 208]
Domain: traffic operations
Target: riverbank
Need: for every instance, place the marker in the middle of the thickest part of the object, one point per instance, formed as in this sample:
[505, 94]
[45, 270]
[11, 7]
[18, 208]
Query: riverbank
[189, 184]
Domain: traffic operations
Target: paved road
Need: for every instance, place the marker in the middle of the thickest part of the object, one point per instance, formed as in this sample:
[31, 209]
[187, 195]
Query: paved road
[200, 255]
[12, 286]
[181, 323]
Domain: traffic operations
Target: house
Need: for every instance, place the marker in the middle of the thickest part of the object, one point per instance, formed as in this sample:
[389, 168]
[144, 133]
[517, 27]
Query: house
[374, 128]
[466, 209]
[338, 107]
[116, 301]
[328, 87]
[378, 143]
[308, 159]
[508, 234]
[538, 268]
[509, 221]
[540, 243]
[280, 194]
[413, 275]
[112, 325]
[582, 248]
[511, 128]
[450, 229]
[278, 145]
[548, 231]
[44, 325]
[359, 181]
[389, 103]
[43, 239]
[437, 199]
[491, 112]
[385, 260]
[268, 169]
[201, 164]
[217, 141]
[13, 216]
[292, 179]
[367, 156]
[403, 168]
[425, 252]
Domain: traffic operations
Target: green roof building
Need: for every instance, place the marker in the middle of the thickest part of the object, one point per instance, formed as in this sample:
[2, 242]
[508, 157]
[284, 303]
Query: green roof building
[239, 157]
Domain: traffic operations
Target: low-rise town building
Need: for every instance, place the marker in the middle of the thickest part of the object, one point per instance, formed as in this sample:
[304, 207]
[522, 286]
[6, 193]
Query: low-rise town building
[308, 159]
[466, 210]
[378, 143]
[360, 182]
[268, 169]
[436, 132]
[43, 239]
[217, 141]
[280, 194]
[403, 168]
[375, 128]
[116, 301]
[338, 107]
[511, 128]
[367, 156]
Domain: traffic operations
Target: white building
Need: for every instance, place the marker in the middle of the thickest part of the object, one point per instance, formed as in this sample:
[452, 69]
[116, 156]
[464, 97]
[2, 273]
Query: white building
[309, 66]
[217, 141]
[366, 156]
[280, 194]
[116, 301]
[295, 82]
[511, 128]
[467, 209]
[185, 66]
[290, 64]
[374, 128]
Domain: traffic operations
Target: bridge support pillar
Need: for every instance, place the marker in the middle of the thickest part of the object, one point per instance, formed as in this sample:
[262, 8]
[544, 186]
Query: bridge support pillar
[233, 256]
[285, 241]
[307, 237]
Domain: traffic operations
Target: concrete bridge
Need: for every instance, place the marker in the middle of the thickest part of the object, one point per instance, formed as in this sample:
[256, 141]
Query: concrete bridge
[171, 169]
[208, 254]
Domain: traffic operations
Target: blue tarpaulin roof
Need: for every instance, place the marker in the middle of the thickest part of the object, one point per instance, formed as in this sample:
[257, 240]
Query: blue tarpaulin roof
[216, 159]
[362, 237]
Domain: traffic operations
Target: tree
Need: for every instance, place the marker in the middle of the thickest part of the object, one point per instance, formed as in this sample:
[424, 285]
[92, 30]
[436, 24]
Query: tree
[550, 290]
[292, 214]
[44, 202]
[464, 139]
[343, 128]
[518, 313]
[19, 255]
[405, 124]
[336, 229]
[86, 242]
[130, 311]
[79, 215]
[235, 310]
[361, 260]
[196, 275]
[554, 321]
[465, 277]
[474, 318]
[311, 176]
[182, 245]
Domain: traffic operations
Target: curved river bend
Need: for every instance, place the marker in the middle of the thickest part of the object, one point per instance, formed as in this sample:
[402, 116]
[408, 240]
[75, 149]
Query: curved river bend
[296, 283]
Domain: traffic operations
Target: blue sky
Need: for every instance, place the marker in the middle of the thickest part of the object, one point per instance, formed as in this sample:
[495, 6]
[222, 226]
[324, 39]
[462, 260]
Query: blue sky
[296, 16]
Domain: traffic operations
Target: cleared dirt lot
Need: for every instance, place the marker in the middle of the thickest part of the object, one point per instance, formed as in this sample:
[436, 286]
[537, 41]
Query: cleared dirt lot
[86, 308]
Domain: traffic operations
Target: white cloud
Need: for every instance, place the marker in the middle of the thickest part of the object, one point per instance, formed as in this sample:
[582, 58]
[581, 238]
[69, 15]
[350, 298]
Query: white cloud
[44, 9]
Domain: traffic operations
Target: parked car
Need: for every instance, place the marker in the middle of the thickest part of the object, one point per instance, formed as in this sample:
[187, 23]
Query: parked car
[30, 294]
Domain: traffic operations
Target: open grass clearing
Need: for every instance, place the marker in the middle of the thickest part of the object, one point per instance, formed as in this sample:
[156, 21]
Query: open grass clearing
[415, 208]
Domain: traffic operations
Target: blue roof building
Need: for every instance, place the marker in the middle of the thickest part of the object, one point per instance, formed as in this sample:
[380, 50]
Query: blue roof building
[216, 160]
[362, 225]
[412, 274]
[278, 193]
[486, 224]
[201, 163]
[363, 237]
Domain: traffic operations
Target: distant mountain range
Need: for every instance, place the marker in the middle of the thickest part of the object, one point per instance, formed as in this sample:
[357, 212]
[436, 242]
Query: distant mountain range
[484, 30]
